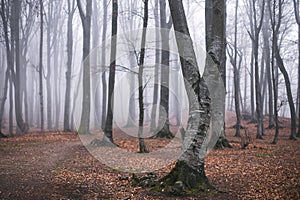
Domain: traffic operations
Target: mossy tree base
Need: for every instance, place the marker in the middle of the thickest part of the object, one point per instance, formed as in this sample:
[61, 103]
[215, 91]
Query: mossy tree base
[183, 180]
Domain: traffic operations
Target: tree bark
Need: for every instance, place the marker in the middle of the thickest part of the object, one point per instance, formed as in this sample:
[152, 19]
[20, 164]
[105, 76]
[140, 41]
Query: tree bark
[165, 73]
[86, 101]
[108, 133]
[71, 10]
[142, 145]
[103, 57]
[216, 48]
[189, 169]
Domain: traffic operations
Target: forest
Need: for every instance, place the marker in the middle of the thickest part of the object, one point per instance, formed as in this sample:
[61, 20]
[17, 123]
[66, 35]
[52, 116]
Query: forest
[159, 99]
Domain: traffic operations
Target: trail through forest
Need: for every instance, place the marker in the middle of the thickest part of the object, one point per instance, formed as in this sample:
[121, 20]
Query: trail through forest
[55, 165]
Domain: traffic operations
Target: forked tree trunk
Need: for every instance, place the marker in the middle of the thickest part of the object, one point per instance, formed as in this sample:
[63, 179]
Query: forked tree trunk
[189, 169]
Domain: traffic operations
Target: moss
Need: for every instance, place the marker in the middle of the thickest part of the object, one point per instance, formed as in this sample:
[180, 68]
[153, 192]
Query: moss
[183, 180]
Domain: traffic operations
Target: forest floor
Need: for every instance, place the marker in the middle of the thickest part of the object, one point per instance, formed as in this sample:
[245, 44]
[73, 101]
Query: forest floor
[55, 165]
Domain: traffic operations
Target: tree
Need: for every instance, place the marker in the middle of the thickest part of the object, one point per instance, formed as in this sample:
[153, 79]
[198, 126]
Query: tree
[70, 12]
[254, 35]
[266, 49]
[103, 57]
[41, 67]
[86, 25]
[108, 136]
[297, 16]
[165, 57]
[280, 64]
[215, 20]
[274, 78]
[189, 169]
[157, 59]
[142, 145]
[233, 54]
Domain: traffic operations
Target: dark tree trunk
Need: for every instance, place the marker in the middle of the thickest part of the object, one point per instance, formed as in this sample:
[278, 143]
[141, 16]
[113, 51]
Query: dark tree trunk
[266, 36]
[281, 66]
[69, 68]
[297, 16]
[274, 75]
[165, 57]
[142, 145]
[103, 56]
[108, 134]
[71, 10]
[84, 127]
[156, 75]
[41, 68]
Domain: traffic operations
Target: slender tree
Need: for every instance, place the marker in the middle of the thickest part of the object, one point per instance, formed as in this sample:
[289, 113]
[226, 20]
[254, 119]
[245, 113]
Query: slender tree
[280, 64]
[272, 14]
[297, 16]
[165, 65]
[103, 57]
[70, 11]
[41, 67]
[108, 136]
[86, 101]
[142, 145]
[257, 25]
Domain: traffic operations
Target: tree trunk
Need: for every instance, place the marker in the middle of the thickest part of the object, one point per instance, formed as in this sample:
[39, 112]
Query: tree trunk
[164, 89]
[281, 66]
[49, 70]
[71, 10]
[41, 68]
[142, 145]
[189, 169]
[266, 36]
[215, 19]
[108, 134]
[84, 127]
[103, 57]
[156, 75]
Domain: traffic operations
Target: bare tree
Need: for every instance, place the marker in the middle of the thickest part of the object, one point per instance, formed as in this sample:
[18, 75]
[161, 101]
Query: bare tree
[70, 11]
[257, 25]
[267, 53]
[280, 64]
[189, 169]
[86, 101]
[297, 16]
[215, 23]
[103, 57]
[233, 54]
[164, 86]
[108, 136]
[41, 66]
[142, 145]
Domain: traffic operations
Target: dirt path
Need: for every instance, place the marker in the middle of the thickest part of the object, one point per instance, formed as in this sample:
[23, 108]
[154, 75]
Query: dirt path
[57, 166]
[27, 162]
